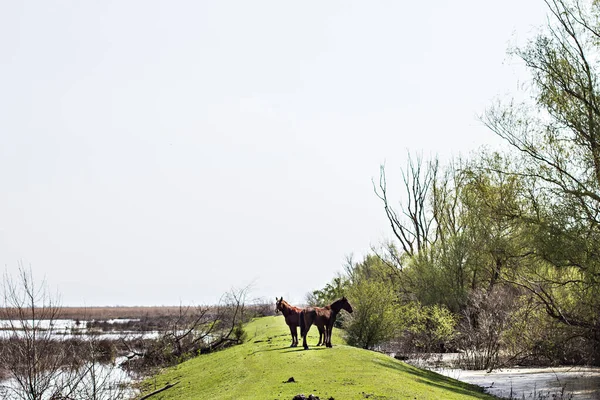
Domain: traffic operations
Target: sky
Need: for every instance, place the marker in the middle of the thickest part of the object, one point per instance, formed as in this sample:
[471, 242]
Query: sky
[166, 152]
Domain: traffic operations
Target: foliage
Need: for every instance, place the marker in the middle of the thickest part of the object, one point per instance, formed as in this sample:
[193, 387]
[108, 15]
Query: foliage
[240, 333]
[375, 319]
[331, 292]
[558, 138]
[425, 329]
[506, 241]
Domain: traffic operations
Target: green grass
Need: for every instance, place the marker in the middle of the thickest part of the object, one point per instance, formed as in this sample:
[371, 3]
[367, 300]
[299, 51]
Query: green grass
[258, 369]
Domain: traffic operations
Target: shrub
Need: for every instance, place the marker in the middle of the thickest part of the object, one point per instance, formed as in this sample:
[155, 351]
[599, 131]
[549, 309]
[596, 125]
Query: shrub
[375, 318]
[240, 333]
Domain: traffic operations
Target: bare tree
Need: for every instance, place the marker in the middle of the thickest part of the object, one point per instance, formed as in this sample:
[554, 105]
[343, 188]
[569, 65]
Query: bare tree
[413, 225]
[194, 330]
[37, 367]
[99, 375]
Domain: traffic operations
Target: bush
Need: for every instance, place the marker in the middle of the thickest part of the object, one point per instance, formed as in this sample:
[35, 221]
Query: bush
[375, 317]
[239, 333]
[486, 319]
[425, 329]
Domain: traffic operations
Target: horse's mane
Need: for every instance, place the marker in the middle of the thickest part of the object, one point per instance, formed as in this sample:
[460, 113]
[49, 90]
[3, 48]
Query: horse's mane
[287, 306]
[284, 303]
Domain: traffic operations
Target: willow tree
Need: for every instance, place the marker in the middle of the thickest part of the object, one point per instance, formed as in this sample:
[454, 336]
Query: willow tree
[557, 136]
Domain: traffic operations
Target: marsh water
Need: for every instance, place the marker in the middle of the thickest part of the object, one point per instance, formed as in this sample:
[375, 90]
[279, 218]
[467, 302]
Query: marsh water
[577, 383]
[109, 382]
[69, 328]
[115, 381]
[561, 383]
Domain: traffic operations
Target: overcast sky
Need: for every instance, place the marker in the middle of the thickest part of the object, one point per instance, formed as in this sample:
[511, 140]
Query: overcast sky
[158, 152]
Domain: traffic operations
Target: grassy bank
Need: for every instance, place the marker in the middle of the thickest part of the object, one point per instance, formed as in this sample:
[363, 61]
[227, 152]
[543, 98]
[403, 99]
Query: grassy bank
[258, 369]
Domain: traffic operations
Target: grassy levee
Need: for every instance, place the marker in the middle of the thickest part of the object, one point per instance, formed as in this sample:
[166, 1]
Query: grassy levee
[258, 369]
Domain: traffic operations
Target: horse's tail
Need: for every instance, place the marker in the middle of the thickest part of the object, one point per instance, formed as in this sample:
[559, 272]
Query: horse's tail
[302, 323]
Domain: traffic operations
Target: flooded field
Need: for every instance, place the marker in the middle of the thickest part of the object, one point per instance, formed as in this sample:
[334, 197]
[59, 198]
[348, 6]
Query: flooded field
[106, 379]
[105, 350]
[112, 329]
[577, 383]
[561, 383]
[103, 381]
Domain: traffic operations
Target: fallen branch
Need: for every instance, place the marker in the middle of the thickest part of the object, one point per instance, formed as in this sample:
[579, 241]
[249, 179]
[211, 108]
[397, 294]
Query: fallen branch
[167, 386]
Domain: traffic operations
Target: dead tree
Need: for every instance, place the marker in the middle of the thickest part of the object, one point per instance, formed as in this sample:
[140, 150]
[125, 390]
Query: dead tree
[414, 224]
[35, 362]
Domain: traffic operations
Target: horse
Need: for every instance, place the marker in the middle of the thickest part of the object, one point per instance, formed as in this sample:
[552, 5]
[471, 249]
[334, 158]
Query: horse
[292, 317]
[323, 318]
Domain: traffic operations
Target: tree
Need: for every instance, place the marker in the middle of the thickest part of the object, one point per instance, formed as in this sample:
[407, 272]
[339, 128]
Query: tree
[558, 142]
[492, 205]
[193, 331]
[414, 225]
[99, 376]
[38, 367]
[331, 292]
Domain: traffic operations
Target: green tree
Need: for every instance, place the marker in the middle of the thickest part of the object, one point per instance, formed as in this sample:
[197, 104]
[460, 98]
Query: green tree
[558, 143]
[332, 291]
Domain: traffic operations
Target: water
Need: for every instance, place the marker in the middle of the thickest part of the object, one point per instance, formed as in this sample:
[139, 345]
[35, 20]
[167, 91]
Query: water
[111, 381]
[58, 324]
[68, 329]
[579, 383]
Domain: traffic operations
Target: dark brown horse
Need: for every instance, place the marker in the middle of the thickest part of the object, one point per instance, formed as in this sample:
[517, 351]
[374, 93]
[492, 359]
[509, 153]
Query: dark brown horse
[323, 318]
[292, 317]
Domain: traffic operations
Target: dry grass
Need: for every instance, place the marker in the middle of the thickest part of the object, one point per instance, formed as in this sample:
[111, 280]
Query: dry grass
[135, 312]
[104, 313]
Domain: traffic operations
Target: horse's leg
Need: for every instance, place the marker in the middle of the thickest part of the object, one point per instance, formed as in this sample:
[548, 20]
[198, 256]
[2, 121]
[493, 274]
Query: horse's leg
[293, 333]
[328, 330]
[321, 336]
[307, 325]
[295, 336]
[302, 322]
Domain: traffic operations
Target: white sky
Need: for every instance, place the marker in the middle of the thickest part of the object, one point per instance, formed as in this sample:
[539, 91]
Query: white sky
[158, 152]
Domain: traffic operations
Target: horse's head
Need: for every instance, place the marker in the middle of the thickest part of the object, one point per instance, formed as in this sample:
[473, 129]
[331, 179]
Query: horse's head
[278, 306]
[346, 305]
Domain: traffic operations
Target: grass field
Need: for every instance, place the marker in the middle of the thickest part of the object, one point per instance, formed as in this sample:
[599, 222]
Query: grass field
[259, 368]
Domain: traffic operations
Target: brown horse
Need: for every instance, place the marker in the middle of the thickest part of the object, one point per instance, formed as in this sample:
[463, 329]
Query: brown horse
[323, 318]
[292, 317]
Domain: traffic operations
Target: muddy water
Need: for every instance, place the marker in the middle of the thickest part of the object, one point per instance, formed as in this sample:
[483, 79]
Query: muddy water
[575, 383]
